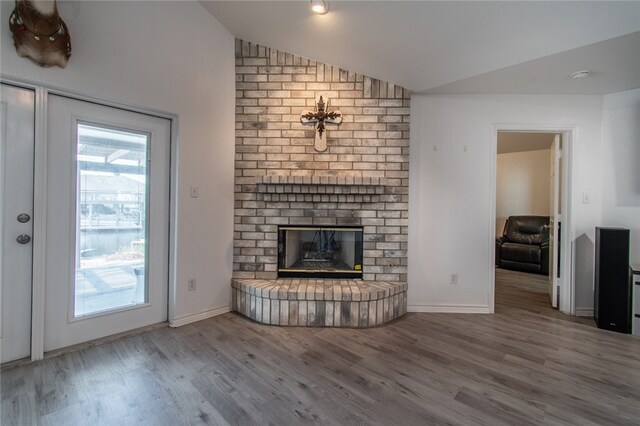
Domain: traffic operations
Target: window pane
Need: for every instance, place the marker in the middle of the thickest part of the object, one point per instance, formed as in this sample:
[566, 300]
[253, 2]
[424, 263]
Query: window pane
[110, 219]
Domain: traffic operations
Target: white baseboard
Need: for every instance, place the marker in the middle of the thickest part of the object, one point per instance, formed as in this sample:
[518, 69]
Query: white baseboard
[584, 312]
[450, 309]
[188, 319]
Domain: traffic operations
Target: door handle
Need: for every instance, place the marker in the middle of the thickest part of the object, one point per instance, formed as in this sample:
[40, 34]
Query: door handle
[23, 239]
[23, 218]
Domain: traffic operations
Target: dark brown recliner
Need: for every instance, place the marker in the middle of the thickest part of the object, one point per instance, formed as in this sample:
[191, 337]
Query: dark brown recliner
[524, 244]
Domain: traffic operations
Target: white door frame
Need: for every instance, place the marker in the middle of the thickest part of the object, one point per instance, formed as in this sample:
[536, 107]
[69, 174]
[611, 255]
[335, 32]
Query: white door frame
[554, 249]
[40, 199]
[567, 281]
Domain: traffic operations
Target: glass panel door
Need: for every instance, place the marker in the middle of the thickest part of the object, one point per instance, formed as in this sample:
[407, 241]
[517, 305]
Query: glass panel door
[107, 239]
[111, 213]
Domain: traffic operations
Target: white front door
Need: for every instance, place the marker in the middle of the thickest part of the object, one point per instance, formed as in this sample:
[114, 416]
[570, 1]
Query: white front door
[17, 131]
[108, 221]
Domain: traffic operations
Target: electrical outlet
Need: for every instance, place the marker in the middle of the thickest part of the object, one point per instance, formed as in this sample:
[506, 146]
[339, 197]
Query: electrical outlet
[192, 284]
[453, 279]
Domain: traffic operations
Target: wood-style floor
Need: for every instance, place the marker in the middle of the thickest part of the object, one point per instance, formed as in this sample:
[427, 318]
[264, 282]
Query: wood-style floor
[527, 364]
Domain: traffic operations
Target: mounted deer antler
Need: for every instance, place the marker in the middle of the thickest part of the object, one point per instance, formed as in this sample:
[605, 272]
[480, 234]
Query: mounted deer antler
[39, 33]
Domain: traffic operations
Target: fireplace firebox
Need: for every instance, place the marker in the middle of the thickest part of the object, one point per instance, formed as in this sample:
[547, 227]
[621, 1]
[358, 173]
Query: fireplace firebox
[320, 252]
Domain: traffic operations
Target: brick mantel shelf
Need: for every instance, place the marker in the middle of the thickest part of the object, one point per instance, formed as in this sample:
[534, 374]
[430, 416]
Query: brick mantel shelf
[321, 180]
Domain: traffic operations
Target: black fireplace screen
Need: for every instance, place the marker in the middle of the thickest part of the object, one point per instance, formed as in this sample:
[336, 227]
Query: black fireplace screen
[320, 252]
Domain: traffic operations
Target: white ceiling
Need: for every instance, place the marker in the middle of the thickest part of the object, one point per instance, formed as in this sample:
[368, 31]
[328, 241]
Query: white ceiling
[509, 142]
[614, 66]
[455, 47]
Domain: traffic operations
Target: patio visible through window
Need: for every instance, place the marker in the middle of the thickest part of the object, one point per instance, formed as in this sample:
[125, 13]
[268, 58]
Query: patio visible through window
[110, 219]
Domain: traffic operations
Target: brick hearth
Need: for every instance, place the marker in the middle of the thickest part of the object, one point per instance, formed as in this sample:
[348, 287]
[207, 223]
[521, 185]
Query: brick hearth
[320, 303]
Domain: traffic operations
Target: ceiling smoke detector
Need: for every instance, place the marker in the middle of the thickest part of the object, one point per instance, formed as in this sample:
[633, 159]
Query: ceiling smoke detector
[579, 75]
[319, 6]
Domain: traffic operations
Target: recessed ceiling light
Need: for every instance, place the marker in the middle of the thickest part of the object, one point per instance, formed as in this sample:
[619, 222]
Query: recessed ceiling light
[319, 6]
[579, 75]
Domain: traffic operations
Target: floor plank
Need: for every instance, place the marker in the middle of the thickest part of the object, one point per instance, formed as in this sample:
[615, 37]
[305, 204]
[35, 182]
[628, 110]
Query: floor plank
[527, 364]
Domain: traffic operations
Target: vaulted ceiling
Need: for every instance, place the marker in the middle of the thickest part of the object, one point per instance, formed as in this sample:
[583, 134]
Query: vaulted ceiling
[456, 47]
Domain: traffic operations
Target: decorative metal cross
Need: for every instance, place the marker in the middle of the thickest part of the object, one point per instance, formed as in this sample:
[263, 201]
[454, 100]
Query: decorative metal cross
[321, 116]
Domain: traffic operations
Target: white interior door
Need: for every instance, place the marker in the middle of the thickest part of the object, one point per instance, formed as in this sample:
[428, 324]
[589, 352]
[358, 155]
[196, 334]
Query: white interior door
[16, 187]
[555, 219]
[108, 219]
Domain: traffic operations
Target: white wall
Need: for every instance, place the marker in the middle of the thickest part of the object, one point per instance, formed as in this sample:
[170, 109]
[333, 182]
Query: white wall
[621, 165]
[172, 57]
[522, 185]
[451, 192]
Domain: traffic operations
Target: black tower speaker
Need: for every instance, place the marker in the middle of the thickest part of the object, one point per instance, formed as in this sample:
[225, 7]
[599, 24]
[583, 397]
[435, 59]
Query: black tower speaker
[612, 297]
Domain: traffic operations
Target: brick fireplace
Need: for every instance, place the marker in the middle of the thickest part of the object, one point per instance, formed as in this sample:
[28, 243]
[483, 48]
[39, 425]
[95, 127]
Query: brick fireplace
[361, 180]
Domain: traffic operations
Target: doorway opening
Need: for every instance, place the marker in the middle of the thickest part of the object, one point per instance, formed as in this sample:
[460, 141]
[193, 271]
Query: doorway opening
[531, 220]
